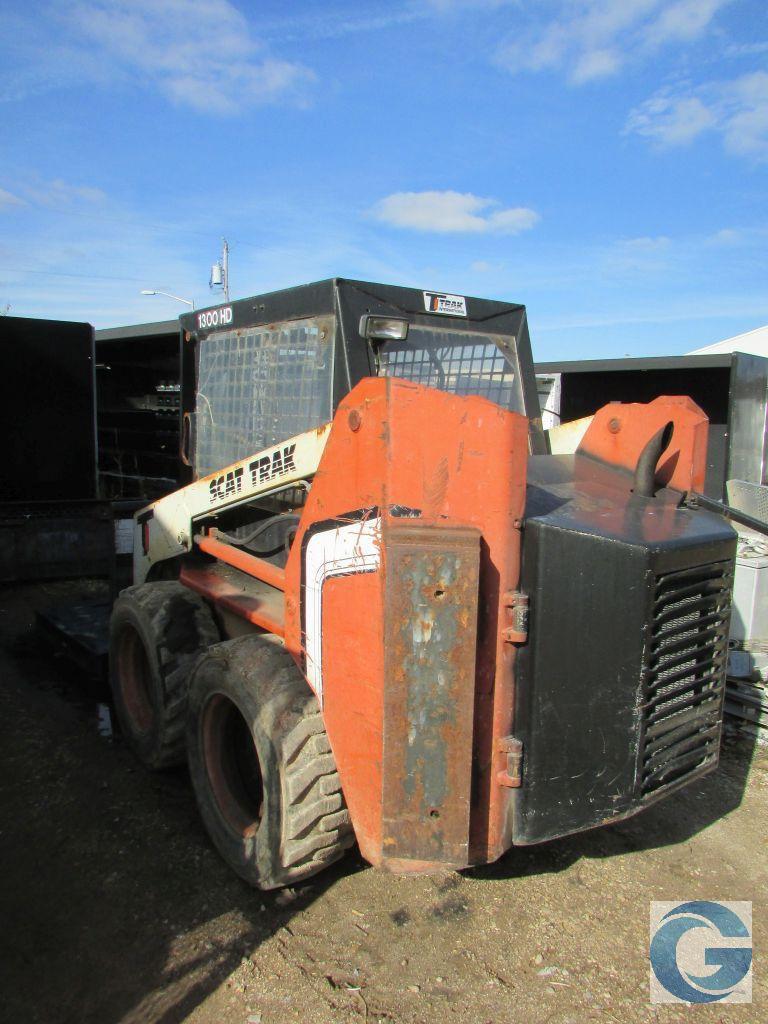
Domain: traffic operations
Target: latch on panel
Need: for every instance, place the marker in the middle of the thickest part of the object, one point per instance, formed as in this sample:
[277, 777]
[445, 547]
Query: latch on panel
[512, 777]
[516, 603]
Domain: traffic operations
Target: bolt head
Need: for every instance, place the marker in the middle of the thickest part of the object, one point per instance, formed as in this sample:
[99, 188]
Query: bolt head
[354, 420]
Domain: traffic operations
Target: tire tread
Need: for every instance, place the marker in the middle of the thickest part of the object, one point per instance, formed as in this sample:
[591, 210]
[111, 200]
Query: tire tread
[177, 647]
[317, 827]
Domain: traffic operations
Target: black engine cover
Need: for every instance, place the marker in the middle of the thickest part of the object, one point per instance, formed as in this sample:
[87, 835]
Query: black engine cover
[620, 686]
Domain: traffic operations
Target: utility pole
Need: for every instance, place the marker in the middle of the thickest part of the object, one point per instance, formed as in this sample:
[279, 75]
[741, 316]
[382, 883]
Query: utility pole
[220, 272]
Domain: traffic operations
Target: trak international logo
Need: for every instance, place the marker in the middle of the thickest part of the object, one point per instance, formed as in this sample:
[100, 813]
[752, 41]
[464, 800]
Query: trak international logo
[701, 952]
[448, 305]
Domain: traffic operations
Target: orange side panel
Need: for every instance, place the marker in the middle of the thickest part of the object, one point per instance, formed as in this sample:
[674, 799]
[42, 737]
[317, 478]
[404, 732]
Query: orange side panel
[396, 450]
[352, 621]
[619, 432]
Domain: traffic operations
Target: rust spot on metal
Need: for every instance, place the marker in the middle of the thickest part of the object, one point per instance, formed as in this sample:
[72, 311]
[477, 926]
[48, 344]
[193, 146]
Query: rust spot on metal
[354, 419]
[516, 606]
[437, 486]
[430, 621]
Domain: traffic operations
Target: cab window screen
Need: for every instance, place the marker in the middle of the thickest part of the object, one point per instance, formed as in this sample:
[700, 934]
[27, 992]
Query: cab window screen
[258, 386]
[461, 362]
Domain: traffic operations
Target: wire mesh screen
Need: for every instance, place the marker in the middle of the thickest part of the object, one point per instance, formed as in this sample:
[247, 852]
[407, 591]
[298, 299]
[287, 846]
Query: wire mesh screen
[460, 362]
[258, 386]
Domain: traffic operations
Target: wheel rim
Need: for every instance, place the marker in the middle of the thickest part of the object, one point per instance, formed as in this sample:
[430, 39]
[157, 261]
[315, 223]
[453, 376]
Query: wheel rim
[232, 765]
[135, 676]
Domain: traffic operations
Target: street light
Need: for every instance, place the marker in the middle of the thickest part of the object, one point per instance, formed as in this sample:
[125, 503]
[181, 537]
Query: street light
[168, 295]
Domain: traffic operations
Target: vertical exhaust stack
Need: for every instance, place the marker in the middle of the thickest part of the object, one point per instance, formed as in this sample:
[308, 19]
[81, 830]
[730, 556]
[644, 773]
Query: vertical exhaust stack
[645, 470]
[633, 437]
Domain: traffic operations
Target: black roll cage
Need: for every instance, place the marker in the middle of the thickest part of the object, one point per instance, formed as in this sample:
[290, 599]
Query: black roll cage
[354, 358]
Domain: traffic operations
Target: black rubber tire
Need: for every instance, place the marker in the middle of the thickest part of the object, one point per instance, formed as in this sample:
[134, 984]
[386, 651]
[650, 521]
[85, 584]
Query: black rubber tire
[157, 631]
[261, 766]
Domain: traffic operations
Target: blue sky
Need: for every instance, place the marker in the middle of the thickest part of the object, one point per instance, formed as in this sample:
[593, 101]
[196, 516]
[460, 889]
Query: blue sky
[603, 161]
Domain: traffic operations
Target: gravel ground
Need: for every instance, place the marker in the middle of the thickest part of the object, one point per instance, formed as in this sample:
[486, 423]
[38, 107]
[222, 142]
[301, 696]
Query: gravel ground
[114, 907]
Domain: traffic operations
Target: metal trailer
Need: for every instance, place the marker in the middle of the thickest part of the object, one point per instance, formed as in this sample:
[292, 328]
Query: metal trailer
[731, 388]
[52, 524]
[137, 410]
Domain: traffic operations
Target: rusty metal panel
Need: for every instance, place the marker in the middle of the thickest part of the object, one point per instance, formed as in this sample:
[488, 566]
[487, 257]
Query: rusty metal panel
[430, 623]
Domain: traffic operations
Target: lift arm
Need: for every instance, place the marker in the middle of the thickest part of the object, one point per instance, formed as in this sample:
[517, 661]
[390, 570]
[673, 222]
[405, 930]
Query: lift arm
[165, 528]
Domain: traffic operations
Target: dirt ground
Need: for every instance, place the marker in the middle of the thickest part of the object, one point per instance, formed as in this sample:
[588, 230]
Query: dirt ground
[114, 907]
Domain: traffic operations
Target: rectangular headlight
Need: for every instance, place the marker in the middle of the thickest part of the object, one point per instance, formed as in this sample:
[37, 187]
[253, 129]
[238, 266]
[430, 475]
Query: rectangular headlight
[383, 328]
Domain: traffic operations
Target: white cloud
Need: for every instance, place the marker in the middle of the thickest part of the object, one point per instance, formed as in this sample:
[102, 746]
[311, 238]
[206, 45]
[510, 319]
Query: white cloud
[8, 199]
[448, 212]
[745, 124]
[753, 238]
[647, 254]
[60, 193]
[591, 39]
[683, 21]
[324, 21]
[746, 49]
[726, 236]
[671, 121]
[595, 64]
[646, 243]
[737, 110]
[451, 6]
[487, 267]
[201, 54]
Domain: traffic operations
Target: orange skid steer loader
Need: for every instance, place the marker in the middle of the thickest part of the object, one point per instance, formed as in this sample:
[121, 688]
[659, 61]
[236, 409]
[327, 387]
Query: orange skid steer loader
[380, 611]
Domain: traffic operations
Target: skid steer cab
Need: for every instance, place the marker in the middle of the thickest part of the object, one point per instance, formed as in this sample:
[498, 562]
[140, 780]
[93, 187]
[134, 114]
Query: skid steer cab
[381, 612]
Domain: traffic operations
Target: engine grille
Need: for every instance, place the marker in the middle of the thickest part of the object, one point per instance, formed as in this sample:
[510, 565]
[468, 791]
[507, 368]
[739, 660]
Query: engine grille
[684, 680]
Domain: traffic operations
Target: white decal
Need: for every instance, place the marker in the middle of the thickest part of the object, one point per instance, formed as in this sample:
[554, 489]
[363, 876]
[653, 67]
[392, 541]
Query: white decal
[214, 317]
[449, 305]
[341, 551]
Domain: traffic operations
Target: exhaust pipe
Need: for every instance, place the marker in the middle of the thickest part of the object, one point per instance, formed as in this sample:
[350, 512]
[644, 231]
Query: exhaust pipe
[645, 471]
